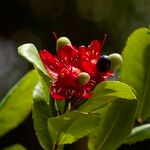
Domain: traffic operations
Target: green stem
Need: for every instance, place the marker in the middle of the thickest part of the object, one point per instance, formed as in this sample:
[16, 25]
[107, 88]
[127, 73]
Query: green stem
[56, 108]
[58, 147]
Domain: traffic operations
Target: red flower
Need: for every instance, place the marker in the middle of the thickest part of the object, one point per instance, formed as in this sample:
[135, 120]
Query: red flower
[88, 60]
[66, 67]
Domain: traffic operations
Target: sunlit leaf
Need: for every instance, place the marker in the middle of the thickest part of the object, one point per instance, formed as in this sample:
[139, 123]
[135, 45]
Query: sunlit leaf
[139, 133]
[41, 112]
[135, 72]
[116, 124]
[105, 93]
[72, 126]
[136, 69]
[45, 83]
[29, 52]
[16, 105]
[15, 147]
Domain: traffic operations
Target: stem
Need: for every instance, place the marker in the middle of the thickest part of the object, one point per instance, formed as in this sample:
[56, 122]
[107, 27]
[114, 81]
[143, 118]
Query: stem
[76, 104]
[58, 147]
[67, 106]
[56, 107]
[53, 107]
[55, 147]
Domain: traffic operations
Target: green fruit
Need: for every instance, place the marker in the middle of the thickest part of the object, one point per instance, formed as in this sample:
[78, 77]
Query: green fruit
[116, 61]
[83, 78]
[61, 42]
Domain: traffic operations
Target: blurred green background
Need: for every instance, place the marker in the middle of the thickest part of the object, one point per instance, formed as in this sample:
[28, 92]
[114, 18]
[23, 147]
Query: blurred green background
[33, 21]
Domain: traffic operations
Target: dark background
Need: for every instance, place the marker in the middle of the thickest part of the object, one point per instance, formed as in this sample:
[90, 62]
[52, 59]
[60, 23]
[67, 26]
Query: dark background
[33, 21]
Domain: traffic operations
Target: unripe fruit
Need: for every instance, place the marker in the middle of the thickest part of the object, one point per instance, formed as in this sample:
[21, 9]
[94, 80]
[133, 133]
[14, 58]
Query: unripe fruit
[103, 64]
[83, 78]
[116, 61]
[61, 42]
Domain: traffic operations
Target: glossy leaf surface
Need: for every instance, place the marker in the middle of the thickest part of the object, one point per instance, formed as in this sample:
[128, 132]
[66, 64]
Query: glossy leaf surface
[136, 69]
[29, 52]
[139, 133]
[115, 126]
[105, 93]
[16, 105]
[15, 147]
[41, 112]
[72, 126]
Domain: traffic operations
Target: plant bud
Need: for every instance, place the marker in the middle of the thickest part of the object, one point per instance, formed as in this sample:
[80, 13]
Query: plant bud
[83, 78]
[61, 42]
[116, 61]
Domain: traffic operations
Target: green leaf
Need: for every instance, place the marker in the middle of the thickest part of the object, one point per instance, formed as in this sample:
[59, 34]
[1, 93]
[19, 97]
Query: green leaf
[136, 69]
[16, 105]
[105, 93]
[41, 112]
[116, 124]
[29, 52]
[45, 83]
[15, 147]
[139, 133]
[72, 126]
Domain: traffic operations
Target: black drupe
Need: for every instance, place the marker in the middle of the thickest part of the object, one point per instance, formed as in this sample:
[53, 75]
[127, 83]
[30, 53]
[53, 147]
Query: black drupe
[103, 64]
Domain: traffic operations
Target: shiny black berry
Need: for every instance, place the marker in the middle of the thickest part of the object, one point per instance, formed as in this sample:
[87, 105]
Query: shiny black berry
[103, 64]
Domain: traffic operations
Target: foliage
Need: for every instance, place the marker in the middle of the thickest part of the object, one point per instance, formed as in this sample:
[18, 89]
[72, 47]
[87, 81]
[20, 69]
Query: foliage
[139, 133]
[41, 113]
[136, 69]
[107, 118]
[15, 147]
[16, 105]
